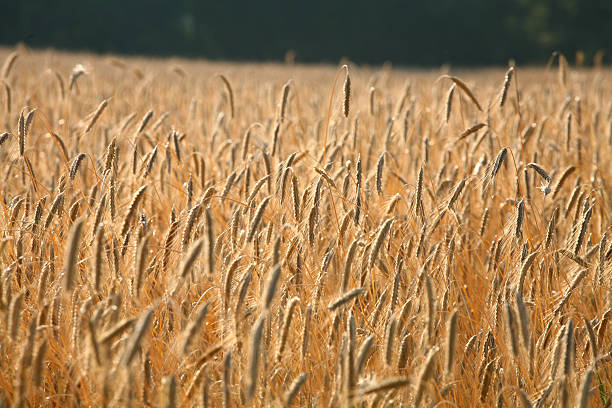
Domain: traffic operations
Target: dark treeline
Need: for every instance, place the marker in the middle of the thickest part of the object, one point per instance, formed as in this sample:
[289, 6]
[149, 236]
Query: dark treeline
[417, 33]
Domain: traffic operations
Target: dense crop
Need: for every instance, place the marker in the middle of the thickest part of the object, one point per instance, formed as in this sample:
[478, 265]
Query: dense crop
[179, 233]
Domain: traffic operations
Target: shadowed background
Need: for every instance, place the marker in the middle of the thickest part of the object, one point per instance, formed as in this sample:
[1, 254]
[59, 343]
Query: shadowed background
[414, 33]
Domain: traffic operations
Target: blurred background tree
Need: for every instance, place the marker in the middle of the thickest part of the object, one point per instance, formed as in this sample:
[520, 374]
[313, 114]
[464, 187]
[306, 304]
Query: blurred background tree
[414, 33]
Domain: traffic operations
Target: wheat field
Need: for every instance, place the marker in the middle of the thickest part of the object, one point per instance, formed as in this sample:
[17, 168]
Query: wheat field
[191, 233]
